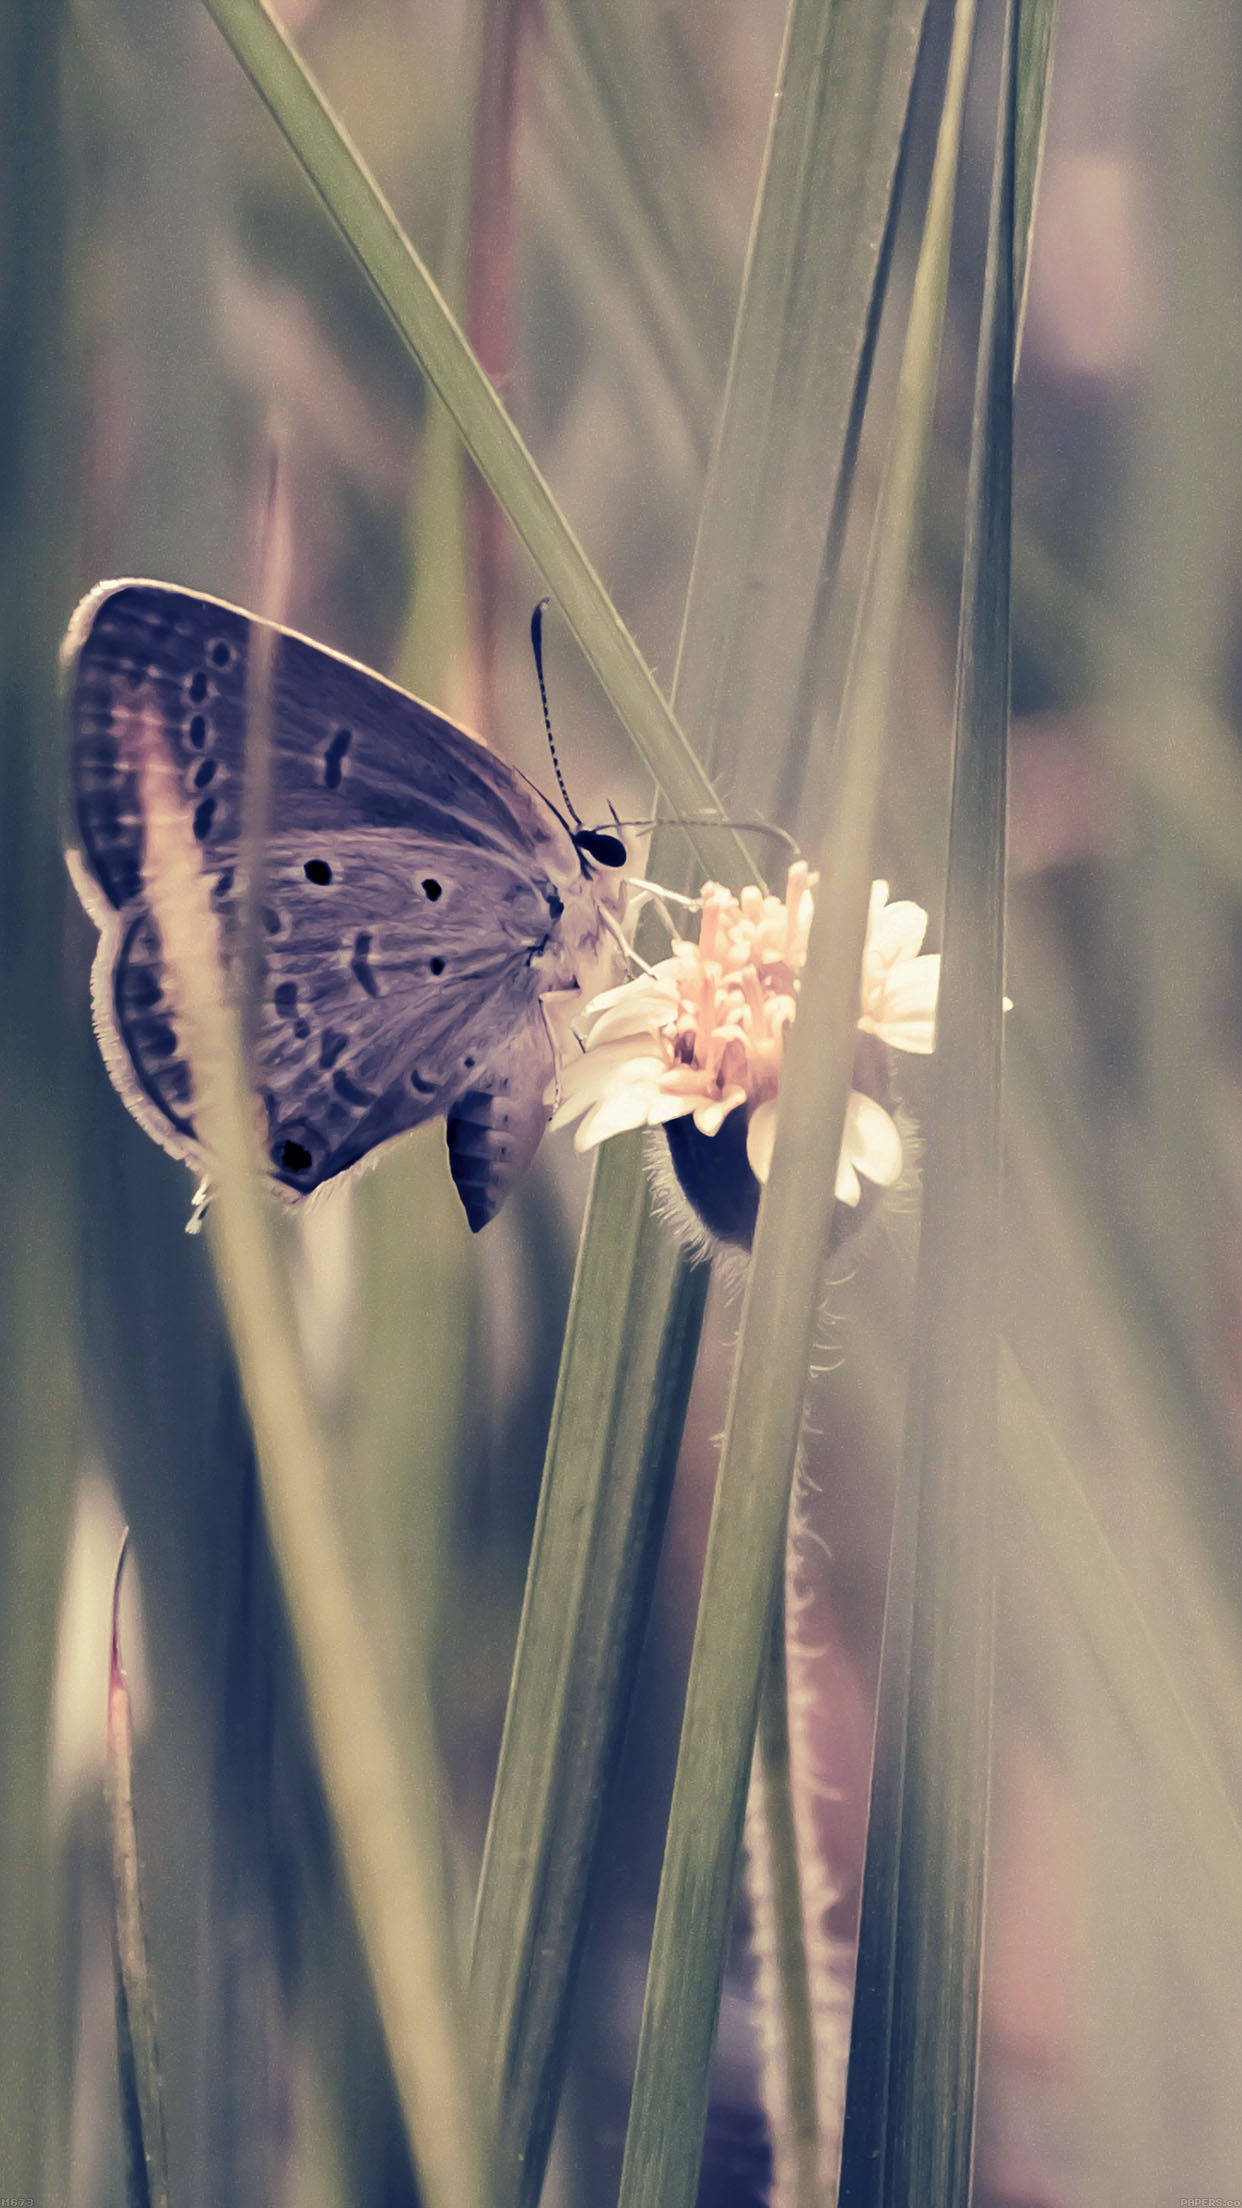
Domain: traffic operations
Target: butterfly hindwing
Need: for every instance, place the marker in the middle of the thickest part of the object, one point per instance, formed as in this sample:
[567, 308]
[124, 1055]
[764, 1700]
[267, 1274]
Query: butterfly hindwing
[391, 982]
[495, 1128]
[418, 896]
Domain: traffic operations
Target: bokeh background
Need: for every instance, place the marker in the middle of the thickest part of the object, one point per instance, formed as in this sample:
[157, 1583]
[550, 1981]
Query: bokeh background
[175, 311]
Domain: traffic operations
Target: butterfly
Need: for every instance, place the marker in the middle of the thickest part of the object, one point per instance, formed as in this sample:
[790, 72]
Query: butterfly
[425, 911]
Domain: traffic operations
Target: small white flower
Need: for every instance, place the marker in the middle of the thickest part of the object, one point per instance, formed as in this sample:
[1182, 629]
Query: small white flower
[898, 986]
[703, 1034]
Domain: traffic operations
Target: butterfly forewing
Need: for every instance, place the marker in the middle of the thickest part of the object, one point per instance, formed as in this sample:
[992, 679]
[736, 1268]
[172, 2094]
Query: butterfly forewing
[348, 748]
[418, 896]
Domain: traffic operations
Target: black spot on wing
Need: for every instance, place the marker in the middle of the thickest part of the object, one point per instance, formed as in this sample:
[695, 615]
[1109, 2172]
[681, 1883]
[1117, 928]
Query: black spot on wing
[143, 990]
[352, 1092]
[334, 758]
[360, 964]
[298, 1149]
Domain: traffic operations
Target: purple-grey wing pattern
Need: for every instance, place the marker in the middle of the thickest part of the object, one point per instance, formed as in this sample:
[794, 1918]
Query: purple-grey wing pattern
[418, 896]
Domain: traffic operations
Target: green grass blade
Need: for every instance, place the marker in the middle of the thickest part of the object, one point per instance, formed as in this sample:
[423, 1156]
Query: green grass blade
[611, 1454]
[746, 1542]
[867, 701]
[138, 2055]
[711, 621]
[40, 1410]
[752, 1498]
[518, 1968]
[1035, 35]
[421, 315]
[792, 2085]
[800, 336]
[748, 1526]
[874, 655]
[910, 2102]
[384, 1798]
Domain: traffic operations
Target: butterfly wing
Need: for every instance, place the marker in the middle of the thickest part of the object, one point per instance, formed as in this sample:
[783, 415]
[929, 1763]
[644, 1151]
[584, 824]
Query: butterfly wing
[418, 899]
[494, 1129]
[348, 748]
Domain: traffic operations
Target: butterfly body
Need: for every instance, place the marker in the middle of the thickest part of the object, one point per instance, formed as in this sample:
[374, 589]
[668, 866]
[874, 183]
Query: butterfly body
[421, 904]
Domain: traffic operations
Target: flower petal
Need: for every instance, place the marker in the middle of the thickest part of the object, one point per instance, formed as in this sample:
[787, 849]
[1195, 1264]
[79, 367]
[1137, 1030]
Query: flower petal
[894, 933]
[587, 1080]
[618, 1112]
[849, 1187]
[628, 1020]
[667, 1105]
[710, 1118]
[760, 1135]
[871, 1144]
[658, 987]
[904, 1010]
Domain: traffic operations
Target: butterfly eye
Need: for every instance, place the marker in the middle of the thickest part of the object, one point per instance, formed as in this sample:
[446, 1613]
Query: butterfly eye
[601, 845]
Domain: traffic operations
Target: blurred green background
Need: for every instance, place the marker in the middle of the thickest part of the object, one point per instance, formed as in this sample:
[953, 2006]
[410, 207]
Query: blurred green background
[173, 301]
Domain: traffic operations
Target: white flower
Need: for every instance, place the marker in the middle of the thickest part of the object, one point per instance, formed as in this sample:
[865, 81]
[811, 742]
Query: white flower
[898, 986]
[703, 1034]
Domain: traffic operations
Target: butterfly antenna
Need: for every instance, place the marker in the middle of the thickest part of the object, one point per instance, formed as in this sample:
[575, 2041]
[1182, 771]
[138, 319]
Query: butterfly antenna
[536, 645]
[716, 820]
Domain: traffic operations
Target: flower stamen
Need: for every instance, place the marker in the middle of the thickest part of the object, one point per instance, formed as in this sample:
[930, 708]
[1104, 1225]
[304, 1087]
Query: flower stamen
[702, 1034]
